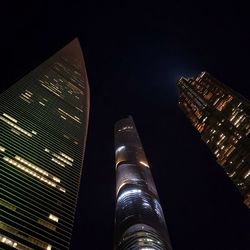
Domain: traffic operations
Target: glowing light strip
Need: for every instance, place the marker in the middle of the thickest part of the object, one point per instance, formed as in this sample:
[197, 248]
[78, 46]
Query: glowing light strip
[79, 109]
[8, 241]
[247, 174]
[53, 217]
[42, 103]
[25, 99]
[144, 164]
[57, 162]
[62, 159]
[119, 149]
[10, 118]
[33, 173]
[31, 165]
[2, 149]
[66, 156]
[72, 117]
[50, 90]
[15, 126]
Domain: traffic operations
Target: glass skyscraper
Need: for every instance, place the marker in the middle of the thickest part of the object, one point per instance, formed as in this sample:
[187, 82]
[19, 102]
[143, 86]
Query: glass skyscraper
[43, 128]
[222, 117]
[139, 220]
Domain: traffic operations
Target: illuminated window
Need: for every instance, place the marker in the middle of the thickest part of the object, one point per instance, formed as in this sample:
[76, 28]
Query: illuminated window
[57, 162]
[53, 217]
[15, 126]
[46, 224]
[247, 174]
[10, 118]
[75, 118]
[7, 205]
[66, 156]
[26, 168]
[41, 103]
[8, 241]
[2, 149]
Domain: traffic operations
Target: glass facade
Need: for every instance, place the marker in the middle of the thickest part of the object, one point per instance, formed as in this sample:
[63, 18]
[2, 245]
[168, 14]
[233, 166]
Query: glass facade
[139, 222]
[43, 124]
[222, 117]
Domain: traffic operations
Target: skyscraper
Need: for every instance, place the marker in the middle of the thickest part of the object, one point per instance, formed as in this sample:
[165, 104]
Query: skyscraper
[222, 117]
[139, 221]
[43, 128]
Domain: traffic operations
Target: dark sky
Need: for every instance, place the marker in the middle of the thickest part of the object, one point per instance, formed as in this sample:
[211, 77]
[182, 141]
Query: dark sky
[134, 52]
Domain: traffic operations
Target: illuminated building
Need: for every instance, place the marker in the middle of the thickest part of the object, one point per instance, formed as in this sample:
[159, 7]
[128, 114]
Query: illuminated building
[139, 222]
[221, 116]
[43, 124]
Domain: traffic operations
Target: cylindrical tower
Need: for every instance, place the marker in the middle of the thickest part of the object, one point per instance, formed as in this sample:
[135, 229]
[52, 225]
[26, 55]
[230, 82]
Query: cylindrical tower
[139, 222]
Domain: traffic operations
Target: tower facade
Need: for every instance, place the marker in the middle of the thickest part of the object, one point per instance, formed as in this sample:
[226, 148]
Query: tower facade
[139, 221]
[43, 124]
[222, 117]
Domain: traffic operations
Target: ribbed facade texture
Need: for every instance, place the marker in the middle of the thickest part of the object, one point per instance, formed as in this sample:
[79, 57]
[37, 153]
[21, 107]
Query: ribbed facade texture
[139, 221]
[43, 127]
[222, 117]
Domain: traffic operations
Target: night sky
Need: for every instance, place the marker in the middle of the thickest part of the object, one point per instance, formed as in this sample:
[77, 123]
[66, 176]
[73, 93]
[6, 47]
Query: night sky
[134, 53]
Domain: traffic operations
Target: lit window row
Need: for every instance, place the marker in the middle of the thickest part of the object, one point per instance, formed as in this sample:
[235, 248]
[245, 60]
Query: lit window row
[8, 241]
[247, 174]
[231, 175]
[41, 103]
[27, 95]
[10, 118]
[46, 224]
[49, 89]
[79, 109]
[75, 118]
[126, 128]
[2, 149]
[7, 204]
[33, 173]
[53, 217]
[66, 156]
[22, 96]
[223, 103]
[31, 165]
[57, 162]
[22, 235]
[15, 126]
[62, 159]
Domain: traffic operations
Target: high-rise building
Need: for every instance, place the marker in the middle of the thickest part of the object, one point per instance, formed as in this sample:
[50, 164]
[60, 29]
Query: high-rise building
[43, 128]
[139, 220]
[222, 117]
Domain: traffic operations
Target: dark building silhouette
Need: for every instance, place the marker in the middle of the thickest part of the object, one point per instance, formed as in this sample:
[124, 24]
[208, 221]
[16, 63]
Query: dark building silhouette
[43, 127]
[221, 116]
[139, 221]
